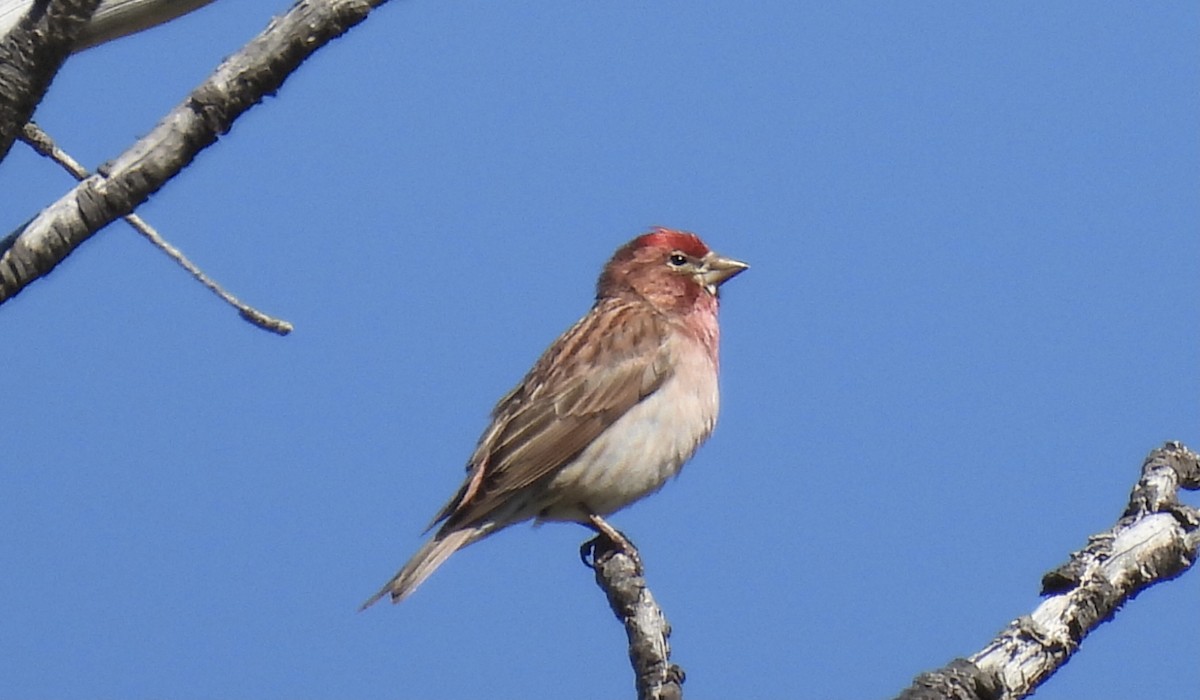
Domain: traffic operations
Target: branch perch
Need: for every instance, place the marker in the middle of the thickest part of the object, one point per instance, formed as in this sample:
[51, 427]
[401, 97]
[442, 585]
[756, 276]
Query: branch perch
[1156, 539]
[619, 574]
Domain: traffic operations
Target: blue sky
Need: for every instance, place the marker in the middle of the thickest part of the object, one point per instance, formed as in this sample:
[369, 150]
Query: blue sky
[972, 312]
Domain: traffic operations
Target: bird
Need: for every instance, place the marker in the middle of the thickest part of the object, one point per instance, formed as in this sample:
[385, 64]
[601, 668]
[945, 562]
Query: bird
[609, 412]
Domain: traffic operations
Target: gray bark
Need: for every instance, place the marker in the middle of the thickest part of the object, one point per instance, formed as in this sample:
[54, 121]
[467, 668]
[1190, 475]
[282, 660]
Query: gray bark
[619, 574]
[30, 56]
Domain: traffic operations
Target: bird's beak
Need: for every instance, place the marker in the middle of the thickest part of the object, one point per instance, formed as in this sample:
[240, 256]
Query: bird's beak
[717, 270]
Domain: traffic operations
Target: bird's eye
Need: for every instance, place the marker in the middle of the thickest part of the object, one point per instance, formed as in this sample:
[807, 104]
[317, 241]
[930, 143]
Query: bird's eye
[677, 260]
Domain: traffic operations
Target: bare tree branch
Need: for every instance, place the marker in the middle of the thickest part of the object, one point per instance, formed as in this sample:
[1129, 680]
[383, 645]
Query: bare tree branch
[1156, 539]
[41, 142]
[30, 56]
[619, 574]
[238, 84]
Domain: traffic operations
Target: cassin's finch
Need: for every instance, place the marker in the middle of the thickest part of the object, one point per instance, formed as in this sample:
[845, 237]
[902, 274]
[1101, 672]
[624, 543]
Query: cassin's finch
[609, 413]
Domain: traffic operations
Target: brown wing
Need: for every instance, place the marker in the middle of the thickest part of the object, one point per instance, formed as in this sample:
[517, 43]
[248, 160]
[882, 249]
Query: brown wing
[563, 404]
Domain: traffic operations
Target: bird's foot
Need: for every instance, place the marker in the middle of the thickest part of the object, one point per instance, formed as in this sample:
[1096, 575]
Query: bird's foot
[609, 539]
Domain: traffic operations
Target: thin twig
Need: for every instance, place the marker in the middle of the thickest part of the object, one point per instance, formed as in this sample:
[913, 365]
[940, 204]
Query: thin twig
[42, 142]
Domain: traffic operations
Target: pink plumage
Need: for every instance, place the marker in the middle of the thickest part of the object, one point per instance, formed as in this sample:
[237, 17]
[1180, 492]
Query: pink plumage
[608, 414]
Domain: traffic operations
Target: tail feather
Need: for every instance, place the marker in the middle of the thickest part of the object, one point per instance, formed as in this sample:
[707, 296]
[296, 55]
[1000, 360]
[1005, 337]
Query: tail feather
[428, 558]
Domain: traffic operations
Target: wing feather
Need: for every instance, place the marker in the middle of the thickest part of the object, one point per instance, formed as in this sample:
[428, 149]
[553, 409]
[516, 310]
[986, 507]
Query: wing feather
[563, 404]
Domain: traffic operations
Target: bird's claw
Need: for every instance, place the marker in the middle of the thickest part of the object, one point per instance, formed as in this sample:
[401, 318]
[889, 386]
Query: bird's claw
[608, 539]
[587, 552]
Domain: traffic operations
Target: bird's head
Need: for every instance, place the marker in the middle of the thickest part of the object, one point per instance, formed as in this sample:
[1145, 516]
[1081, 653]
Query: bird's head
[673, 270]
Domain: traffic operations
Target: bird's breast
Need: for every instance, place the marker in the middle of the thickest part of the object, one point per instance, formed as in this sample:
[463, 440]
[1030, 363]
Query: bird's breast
[646, 446]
